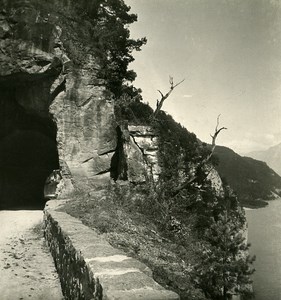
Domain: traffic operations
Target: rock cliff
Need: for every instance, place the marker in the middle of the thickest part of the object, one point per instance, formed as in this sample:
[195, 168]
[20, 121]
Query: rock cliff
[136, 156]
[49, 75]
[57, 125]
[50, 81]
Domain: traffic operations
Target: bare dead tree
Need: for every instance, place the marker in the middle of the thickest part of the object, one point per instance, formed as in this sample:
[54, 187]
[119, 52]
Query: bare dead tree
[204, 161]
[164, 97]
[214, 137]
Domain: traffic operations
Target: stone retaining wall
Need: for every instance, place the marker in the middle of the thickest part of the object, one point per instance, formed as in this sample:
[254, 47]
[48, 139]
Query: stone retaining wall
[89, 268]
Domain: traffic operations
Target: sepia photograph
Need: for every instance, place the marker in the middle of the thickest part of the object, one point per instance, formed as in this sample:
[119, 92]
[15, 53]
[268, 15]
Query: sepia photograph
[140, 149]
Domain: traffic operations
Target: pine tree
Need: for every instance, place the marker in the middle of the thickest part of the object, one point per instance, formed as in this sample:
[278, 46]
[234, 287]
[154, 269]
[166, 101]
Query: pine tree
[112, 37]
[107, 23]
[225, 265]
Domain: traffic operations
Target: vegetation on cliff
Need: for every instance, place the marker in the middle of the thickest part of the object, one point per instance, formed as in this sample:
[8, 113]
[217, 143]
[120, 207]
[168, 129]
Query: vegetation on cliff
[98, 28]
[193, 239]
[194, 245]
[165, 223]
[184, 193]
[113, 47]
[188, 233]
[222, 266]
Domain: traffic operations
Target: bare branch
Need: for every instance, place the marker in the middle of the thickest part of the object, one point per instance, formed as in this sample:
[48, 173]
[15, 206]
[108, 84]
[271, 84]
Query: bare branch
[214, 137]
[179, 83]
[204, 161]
[217, 131]
[161, 93]
[164, 97]
[171, 80]
[218, 122]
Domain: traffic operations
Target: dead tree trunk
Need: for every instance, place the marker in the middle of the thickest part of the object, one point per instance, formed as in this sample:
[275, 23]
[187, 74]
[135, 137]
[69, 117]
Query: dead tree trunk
[164, 97]
[214, 137]
[204, 161]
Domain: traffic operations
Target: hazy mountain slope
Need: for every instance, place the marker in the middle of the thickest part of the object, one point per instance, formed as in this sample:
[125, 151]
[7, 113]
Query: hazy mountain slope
[253, 180]
[272, 156]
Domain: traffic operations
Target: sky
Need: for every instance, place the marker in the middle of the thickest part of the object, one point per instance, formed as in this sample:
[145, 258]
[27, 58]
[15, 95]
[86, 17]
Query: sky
[228, 52]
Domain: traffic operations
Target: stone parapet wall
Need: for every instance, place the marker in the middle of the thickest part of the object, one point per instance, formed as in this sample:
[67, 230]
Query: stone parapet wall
[90, 268]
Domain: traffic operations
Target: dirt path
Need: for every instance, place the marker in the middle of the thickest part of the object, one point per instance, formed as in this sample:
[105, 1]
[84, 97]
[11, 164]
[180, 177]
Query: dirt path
[27, 270]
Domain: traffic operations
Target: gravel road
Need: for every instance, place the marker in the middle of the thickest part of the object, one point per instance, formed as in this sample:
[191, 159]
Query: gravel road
[27, 270]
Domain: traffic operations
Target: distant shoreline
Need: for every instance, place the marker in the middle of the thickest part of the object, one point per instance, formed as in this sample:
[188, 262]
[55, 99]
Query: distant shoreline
[253, 207]
[247, 208]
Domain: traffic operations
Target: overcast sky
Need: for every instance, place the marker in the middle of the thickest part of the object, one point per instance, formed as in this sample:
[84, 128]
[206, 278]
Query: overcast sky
[228, 51]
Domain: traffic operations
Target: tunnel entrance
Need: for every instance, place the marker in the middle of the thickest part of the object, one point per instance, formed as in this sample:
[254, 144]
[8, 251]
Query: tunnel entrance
[28, 150]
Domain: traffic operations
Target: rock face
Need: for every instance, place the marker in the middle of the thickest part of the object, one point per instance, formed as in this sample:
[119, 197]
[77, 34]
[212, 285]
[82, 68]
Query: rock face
[147, 143]
[136, 157]
[50, 75]
[216, 181]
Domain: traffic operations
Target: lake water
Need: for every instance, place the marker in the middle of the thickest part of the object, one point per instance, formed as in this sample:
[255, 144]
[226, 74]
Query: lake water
[265, 237]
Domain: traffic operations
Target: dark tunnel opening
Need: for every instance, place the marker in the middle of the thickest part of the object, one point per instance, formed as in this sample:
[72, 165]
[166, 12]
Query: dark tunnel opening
[28, 153]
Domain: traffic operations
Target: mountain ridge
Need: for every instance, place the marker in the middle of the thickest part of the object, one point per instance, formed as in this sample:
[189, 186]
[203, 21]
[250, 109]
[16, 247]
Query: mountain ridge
[253, 180]
[272, 156]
